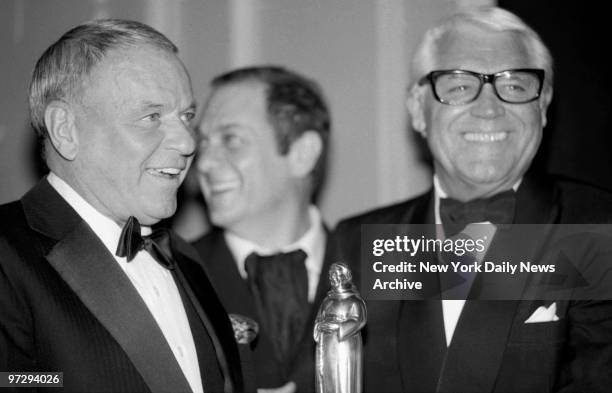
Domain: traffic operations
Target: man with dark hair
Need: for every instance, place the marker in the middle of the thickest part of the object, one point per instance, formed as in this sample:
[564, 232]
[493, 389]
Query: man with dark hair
[263, 141]
[482, 82]
[87, 288]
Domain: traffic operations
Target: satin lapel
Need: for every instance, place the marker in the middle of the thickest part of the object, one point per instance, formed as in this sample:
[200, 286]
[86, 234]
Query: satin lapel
[214, 317]
[480, 338]
[92, 273]
[479, 341]
[323, 286]
[223, 273]
[421, 211]
[421, 342]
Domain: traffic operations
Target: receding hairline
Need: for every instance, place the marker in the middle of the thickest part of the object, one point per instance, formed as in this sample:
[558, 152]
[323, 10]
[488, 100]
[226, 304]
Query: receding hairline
[124, 54]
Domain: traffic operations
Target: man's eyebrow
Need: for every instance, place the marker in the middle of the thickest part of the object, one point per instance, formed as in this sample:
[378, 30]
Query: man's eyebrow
[149, 105]
[232, 125]
[192, 106]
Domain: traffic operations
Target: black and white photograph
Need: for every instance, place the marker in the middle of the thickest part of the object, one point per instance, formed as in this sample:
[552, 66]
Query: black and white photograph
[285, 196]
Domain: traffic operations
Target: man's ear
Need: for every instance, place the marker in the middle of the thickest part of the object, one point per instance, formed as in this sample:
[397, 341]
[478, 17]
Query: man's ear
[416, 108]
[304, 153]
[544, 102]
[60, 123]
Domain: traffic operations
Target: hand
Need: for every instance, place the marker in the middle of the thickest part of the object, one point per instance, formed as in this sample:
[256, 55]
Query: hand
[327, 327]
[289, 387]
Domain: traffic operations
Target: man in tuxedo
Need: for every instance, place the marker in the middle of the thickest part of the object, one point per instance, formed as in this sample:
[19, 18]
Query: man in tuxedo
[87, 288]
[482, 85]
[264, 137]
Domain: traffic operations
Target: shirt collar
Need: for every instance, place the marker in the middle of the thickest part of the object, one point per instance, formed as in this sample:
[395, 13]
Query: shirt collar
[106, 229]
[312, 242]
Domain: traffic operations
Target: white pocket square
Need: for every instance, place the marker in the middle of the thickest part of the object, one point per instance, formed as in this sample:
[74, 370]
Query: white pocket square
[544, 314]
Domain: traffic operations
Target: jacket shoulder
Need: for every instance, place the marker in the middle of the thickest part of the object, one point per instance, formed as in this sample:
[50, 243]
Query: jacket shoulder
[389, 214]
[14, 227]
[11, 215]
[583, 203]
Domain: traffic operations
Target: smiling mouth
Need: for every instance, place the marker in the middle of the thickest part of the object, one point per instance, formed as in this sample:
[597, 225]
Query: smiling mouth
[485, 136]
[221, 187]
[168, 173]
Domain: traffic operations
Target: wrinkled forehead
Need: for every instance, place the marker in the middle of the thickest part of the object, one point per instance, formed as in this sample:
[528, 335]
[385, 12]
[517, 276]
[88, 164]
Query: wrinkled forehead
[127, 73]
[235, 104]
[478, 48]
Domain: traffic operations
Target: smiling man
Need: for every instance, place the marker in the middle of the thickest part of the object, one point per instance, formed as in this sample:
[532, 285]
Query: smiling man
[482, 83]
[264, 137]
[87, 288]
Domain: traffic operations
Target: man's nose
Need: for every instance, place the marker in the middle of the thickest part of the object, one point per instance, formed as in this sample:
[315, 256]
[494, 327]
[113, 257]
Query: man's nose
[181, 138]
[488, 105]
[209, 157]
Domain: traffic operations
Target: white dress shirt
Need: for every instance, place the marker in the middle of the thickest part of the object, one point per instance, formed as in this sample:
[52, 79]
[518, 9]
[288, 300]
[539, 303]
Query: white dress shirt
[154, 283]
[451, 309]
[312, 243]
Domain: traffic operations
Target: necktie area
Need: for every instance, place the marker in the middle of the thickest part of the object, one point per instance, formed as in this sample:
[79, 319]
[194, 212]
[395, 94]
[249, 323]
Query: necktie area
[279, 284]
[157, 243]
[498, 209]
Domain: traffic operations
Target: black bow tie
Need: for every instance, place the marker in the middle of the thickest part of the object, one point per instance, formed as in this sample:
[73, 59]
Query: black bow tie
[157, 243]
[498, 209]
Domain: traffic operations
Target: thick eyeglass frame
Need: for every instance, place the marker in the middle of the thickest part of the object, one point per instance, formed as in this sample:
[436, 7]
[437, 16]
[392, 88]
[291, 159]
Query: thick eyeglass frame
[484, 78]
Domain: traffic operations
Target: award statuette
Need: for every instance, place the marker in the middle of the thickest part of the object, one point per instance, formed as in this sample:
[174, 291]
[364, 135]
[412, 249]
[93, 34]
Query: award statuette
[337, 332]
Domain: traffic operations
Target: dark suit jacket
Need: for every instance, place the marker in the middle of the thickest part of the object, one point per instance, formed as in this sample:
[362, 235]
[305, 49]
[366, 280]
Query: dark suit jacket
[66, 306]
[236, 297]
[492, 350]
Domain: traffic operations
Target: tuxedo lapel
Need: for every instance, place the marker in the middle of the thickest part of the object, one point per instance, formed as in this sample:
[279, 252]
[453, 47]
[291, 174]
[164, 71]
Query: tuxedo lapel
[214, 317]
[84, 263]
[322, 287]
[231, 288]
[92, 273]
[421, 341]
[475, 356]
[421, 346]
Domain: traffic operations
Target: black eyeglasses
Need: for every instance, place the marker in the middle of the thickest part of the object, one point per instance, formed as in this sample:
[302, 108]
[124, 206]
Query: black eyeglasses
[460, 87]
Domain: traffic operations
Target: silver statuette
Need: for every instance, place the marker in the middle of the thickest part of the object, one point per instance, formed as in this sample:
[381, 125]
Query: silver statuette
[339, 321]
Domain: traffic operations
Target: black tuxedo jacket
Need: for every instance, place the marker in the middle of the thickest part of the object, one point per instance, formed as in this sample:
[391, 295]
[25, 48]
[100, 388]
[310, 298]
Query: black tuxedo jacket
[66, 306]
[235, 295]
[492, 349]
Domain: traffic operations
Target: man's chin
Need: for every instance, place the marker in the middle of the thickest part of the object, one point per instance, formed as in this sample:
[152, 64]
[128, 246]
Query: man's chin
[490, 186]
[153, 216]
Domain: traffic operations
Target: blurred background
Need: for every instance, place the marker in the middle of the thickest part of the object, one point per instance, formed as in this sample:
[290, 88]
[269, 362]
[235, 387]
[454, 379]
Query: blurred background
[358, 50]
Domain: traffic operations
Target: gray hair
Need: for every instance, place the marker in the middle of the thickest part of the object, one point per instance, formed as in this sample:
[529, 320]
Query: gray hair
[60, 71]
[492, 18]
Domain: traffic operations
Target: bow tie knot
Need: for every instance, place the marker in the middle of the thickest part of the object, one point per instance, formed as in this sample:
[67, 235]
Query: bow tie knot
[157, 243]
[456, 215]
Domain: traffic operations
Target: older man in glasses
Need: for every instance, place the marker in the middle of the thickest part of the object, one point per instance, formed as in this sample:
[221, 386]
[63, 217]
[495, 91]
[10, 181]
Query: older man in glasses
[482, 85]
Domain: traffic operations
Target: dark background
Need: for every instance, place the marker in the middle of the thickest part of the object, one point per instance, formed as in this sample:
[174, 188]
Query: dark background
[577, 140]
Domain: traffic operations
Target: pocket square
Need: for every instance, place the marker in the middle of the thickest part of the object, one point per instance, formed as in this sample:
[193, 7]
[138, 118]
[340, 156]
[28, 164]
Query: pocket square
[544, 314]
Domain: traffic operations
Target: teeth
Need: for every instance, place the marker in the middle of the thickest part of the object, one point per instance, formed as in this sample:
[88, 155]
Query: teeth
[221, 187]
[485, 136]
[170, 171]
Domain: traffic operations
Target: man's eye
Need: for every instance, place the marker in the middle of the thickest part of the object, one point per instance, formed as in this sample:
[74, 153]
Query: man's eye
[457, 89]
[232, 141]
[152, 117]
[514, 88]
[187, 117]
